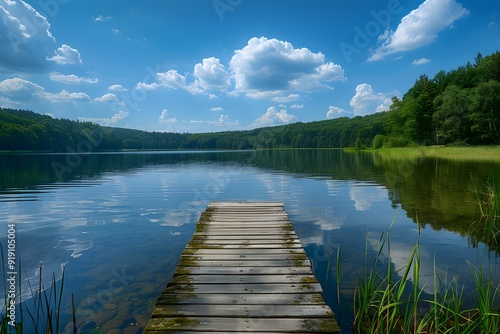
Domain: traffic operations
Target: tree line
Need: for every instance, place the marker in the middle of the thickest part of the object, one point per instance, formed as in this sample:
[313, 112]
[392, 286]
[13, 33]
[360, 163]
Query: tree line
[459, 107]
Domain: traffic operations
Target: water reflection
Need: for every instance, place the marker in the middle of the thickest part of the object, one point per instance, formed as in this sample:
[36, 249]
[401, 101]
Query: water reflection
[119, 222]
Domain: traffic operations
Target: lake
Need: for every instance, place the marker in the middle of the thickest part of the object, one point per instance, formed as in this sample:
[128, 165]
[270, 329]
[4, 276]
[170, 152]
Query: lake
[118, 222]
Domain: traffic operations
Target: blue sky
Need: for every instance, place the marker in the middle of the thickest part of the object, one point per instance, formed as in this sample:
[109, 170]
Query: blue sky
[218, 65]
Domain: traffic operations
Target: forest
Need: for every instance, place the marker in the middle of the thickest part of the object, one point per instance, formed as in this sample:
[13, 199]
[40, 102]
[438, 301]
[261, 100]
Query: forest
[460, 107]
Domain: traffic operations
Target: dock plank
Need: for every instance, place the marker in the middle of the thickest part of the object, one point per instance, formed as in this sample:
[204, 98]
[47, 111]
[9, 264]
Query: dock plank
[244, 270]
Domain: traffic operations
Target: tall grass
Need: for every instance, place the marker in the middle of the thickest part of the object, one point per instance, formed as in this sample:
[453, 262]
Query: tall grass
[392, 302]
[42, 312]
[488, 200]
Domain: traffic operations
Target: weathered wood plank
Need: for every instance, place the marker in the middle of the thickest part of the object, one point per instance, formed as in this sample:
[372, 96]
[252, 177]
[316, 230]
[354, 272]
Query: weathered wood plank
[249, 246]
[302, 270]
[245, 288]
[243, 279]
[216, 324]
[253, 311]
[243, 231]
[187, 298]
[249, 263]
[202, 332]
[208, 251]
[244, 257]
[221, 204]
[240, 238]
[244, 270]
[216, 241]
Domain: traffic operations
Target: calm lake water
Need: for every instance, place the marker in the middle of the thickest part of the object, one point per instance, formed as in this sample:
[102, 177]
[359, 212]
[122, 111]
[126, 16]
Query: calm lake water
[118, 222]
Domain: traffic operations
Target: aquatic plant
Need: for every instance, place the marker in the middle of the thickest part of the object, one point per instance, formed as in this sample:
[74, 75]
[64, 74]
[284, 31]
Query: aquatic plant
[392, 302]
[488, 224]
[41, 313]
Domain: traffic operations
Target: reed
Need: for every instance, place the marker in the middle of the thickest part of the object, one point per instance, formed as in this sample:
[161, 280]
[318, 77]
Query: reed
[42, 312]
[392, 302]
[488, 201]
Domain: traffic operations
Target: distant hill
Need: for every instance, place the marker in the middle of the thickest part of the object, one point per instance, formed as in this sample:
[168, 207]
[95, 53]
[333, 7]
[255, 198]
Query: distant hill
[460, 107]
[26, 130]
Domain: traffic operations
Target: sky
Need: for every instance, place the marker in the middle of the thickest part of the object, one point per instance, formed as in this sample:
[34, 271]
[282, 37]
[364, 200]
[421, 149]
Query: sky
[220, 65]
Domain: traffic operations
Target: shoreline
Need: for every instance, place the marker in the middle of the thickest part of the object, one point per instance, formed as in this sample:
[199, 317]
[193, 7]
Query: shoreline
[472, 153]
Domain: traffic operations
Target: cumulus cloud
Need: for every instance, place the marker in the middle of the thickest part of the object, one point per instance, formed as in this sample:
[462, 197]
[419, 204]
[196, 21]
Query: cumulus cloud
[116, 118]
[366, 101]
[71, 79]
[65, 96]
[211, 75]
[169, 80]
[25, 38]
[269, 67]
[225, 121]
[419, 28]
[22, 90]
[263, 69]
[164, 119]
[420, 61]
[108, 97]
[297, 106]
[283, 99]
[208, 75]
[272, 117]
[117, 88]
[66, 55]
[216, 109]
[335, 112]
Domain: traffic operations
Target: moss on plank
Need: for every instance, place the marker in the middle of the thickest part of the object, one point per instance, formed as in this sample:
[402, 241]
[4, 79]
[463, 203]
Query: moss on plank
[327, 325]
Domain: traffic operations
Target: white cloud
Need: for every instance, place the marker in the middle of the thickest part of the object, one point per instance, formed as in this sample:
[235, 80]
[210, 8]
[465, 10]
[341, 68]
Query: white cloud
[285, 99]
[22, 90]
[101, 18]
[64, 96]
[269, 67]
[263, 69]
[208, 75]
[420, 61]
[164, 118]
[366, 101]
[419, 28]
[116, 118]
[365, 195]
[225, 121]
[271, 117]
[492, 24]
[24, 46]
[216, 109]
[66, 55]
[71, 79]
[297, 106]
[117, 88]
[211, 75]
[108, 97]
[335, 112]
[170, 80]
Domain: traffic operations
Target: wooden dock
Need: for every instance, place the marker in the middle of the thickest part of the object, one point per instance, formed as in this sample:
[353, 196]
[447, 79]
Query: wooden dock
[244, 271]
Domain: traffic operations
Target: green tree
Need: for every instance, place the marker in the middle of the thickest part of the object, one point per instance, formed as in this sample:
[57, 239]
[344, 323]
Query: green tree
[485, 113]
[451, 118]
